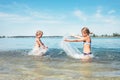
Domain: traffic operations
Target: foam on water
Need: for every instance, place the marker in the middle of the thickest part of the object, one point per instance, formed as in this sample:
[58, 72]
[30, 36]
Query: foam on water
[38, 51]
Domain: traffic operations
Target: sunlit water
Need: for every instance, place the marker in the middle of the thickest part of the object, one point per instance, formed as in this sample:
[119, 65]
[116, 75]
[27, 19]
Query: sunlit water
[15, 64]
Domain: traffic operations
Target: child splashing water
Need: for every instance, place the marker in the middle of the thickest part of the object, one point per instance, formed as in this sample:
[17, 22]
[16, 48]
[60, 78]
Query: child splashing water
[39, 48]
[87, 43]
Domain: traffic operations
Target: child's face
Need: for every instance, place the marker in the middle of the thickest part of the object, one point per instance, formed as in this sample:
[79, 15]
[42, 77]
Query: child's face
[39, 35]
[84, 34]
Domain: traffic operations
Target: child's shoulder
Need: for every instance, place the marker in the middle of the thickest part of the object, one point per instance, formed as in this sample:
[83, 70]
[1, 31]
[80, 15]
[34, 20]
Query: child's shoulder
[87, 38]
[36, 39]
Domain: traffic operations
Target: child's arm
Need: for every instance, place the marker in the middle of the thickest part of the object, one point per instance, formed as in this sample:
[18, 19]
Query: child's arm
[40, 43]
[75, 40]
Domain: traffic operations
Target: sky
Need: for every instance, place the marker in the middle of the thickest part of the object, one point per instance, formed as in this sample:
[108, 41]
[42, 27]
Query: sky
[58, 17]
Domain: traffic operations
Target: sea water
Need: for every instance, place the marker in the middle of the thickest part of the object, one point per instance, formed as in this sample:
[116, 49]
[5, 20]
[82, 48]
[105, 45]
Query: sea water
[16, 64]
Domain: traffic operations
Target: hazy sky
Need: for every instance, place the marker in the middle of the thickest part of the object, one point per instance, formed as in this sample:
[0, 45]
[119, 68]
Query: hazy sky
[59, 17]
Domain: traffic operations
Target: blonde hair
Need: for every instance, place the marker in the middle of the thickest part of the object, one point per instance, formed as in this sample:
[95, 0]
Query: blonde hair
[86, 30]
[39, 32]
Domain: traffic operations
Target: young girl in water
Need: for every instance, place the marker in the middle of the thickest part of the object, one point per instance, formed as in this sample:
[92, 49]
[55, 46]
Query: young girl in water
[87, 42]
[39, 48]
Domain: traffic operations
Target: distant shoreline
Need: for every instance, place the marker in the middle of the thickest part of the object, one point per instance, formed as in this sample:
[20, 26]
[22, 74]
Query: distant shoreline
[116, 35]
[30, 36]
[55, 36]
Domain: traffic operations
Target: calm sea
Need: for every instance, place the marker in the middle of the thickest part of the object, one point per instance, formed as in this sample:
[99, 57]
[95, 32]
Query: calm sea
[15, 64]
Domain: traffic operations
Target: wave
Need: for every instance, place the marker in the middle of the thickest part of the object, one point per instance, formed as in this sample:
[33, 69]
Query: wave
[36, 51]
[100, 54]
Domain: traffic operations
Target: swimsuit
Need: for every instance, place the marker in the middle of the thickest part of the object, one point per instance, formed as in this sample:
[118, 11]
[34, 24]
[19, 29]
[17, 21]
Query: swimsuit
[87, 43]
[87, 53]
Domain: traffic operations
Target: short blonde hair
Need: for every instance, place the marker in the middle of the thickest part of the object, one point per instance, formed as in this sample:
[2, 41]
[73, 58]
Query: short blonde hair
[39, 32]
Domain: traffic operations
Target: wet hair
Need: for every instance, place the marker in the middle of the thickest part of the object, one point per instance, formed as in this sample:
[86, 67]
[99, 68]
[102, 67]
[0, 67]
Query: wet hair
[86, 30]
[39, 32]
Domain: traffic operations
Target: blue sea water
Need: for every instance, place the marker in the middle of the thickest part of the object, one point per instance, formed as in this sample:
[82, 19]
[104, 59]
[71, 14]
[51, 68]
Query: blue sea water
[15, 64]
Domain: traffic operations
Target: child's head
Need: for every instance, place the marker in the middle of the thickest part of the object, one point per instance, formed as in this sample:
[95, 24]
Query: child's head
[39, 34]
[85, 31]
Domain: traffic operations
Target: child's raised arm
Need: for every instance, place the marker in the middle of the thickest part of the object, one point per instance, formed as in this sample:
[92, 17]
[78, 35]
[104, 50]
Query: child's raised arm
[75, 40]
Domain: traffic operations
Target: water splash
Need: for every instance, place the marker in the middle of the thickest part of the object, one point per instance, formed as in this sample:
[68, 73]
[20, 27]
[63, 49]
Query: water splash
[71, 51]
[38, 51]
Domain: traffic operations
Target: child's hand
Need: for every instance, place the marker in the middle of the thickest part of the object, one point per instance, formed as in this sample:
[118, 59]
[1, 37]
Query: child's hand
[46, 47]
[66, 40]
